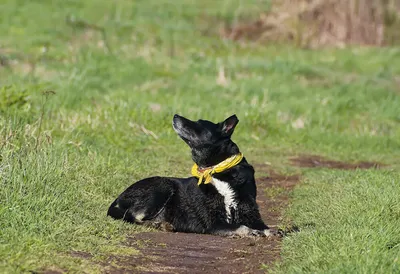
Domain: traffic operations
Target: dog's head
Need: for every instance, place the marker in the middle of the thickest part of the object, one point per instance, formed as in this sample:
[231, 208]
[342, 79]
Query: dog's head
[210, 143]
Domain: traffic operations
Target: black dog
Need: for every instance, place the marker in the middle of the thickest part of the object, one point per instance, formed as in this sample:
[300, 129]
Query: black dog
[221, 200]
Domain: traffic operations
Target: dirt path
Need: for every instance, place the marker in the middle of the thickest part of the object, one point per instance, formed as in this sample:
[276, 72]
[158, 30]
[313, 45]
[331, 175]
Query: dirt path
[314, 161]
[164, 252]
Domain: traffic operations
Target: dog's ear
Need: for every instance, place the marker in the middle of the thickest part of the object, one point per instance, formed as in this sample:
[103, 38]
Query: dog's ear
[228, 126]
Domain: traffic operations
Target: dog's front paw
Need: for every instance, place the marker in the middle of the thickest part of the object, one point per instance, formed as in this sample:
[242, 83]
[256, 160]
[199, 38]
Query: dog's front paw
[259, 233]
[256, 233]
[244, 231]
[267, 233]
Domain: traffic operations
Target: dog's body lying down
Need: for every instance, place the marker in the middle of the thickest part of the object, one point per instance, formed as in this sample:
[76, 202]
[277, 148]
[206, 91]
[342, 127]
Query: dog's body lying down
[225, 204]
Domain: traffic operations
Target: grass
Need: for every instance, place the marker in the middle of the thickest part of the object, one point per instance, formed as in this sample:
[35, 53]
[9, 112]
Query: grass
[120, 70]
[349, 223]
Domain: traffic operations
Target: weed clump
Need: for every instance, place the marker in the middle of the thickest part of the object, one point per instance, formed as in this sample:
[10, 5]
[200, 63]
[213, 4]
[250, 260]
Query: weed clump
[11, 97]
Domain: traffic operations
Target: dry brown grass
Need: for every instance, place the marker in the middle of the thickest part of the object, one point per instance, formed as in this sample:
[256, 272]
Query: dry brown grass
[315, 23]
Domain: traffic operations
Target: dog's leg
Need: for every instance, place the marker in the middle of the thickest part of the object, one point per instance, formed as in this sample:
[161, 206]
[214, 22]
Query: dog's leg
[240, 231]
[159, 223]
[259, 225]
[252, 218]
[141, 203]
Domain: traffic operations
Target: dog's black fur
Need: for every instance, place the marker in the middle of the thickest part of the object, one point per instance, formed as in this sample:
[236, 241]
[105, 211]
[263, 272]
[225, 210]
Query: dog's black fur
[226, 206]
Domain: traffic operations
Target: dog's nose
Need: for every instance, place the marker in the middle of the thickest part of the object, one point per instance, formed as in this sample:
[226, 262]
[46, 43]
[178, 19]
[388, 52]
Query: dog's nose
[176, 116]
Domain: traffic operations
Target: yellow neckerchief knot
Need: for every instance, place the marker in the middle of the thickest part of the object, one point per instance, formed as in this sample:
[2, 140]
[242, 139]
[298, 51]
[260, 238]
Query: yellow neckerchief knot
[204, 174]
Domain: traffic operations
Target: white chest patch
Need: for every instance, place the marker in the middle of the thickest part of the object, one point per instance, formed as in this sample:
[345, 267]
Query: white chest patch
[226, 191]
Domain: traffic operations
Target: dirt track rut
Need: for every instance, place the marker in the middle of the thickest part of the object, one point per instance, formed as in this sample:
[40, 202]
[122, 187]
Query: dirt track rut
[165, 252]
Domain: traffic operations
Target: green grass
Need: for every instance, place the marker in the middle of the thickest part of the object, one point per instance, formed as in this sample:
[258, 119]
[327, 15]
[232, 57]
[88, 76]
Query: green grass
[65, 157]
[349, 221]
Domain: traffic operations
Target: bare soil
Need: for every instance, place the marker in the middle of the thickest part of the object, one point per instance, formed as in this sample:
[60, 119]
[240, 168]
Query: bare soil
[166, 252]
[321, 162]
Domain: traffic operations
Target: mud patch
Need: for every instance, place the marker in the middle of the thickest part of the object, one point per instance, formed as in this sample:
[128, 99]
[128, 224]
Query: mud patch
[164, 252]
[81, 255]
[275, 196]
[314, 161]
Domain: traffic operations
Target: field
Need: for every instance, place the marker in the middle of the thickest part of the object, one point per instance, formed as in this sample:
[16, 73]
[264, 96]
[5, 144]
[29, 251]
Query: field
[87, 94]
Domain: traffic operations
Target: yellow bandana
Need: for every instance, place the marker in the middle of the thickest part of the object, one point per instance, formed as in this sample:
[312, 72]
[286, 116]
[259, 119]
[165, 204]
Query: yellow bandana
[204, 175]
